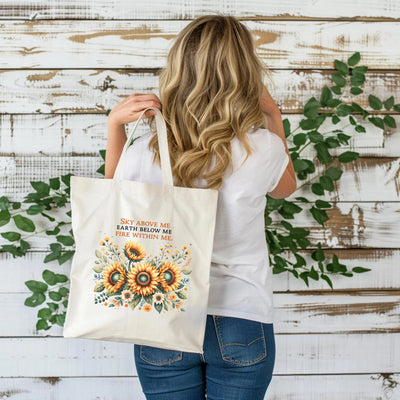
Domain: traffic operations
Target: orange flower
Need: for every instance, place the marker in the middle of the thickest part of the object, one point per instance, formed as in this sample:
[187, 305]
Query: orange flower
[147, 307]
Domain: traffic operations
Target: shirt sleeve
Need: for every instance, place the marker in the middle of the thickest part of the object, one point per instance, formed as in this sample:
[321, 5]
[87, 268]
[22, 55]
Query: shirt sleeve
[278, 160]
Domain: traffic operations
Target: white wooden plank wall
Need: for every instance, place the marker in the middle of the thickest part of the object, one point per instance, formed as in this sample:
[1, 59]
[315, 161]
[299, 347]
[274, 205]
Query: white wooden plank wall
[64, 63]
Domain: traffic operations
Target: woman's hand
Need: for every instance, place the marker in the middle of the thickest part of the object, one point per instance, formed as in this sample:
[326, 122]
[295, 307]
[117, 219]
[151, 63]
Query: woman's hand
[129, 109]
[126, 111]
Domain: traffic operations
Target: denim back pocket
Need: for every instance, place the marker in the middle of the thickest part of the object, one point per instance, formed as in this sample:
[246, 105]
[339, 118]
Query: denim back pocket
[241, 341]
[158, 356]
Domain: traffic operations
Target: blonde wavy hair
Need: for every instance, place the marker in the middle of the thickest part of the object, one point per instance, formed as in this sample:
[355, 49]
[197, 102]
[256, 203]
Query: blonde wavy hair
[210, 92]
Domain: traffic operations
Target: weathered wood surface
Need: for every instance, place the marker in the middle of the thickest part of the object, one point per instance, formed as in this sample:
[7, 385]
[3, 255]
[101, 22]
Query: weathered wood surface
[145, 43]
[58, 78]
[310, 353]
[75, 91]
[384, 274]
[365, 179]
[299, 387]
[302, 312]
[370, 10]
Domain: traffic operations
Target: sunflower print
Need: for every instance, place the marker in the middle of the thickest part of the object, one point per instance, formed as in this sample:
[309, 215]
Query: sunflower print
[134, 251]
[129, 276]
[114, 276]
[170, 276]
[143, 278]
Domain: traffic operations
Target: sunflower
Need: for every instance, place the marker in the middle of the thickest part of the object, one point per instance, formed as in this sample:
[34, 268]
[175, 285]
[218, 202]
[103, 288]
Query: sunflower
[170, 275]
[143, 278]
[114, 276]
[134, 251]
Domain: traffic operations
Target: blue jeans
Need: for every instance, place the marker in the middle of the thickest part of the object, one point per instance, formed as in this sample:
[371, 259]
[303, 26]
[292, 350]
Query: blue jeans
[239, 357]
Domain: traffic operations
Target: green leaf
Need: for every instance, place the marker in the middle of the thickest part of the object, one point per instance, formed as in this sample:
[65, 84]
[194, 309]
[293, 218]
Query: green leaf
[338, 79]
[348, 156]
[303, 199]
[103, 154]
[334, 173]
[286, 127]
[343, 138]
[11, 236]
[36, 286]
[326, 95]
[304, 276]
[42, 188]
[319, 215]
[317, 188]
[35, 209]
[389, 121]
[55, 183]
[52, 256]
[344, 109]
[65, 240]
[356, 90]
[341, 67]
[65, 257]
[299, 139]
[300, 165]
[291, 208]
[323, 153]
[313, 274]
[23, 223]
[354, 59]
[136, 300]
[311, 108]
[377, 121]
[322, 204]
[315, 136]
[49, 277]
[388, 103]
[55, 296]
[333, 102]
[336, 90]
[44, 313]
[66, 179]
[359, 128]
[98, 268]
[357, 79]
[327, 279]
[326, 182]
[374, 102]
[4, 217]
[35, 300]
[335, 119]
[186, 271]
[99, 287]
[181, 295]
[332, 142]
[360, 269]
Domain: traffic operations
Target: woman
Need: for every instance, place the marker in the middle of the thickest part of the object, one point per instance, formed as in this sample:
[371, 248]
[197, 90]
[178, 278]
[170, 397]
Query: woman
[214, 102]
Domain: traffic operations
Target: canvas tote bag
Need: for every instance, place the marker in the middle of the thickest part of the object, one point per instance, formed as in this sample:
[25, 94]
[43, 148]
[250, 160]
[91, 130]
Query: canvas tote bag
[141, 268]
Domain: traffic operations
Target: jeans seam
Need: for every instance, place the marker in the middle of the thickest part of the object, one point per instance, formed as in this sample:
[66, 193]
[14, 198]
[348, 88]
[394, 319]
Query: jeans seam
[229, 359]
[161, 362]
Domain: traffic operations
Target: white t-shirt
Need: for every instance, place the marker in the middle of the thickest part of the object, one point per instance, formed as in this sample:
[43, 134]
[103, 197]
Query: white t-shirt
[240, 274]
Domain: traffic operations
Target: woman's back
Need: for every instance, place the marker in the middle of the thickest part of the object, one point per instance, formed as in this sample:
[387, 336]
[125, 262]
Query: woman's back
[240, 277]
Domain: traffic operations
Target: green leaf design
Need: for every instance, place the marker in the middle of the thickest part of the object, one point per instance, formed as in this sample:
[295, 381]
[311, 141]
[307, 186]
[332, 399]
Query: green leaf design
[99, 287]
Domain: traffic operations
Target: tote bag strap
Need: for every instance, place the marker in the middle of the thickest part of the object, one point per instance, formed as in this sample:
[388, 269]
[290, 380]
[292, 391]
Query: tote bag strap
[162, 144]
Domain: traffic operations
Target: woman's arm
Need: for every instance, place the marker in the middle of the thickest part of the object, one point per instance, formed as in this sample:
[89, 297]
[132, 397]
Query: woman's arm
[128, 110]
[273, 122]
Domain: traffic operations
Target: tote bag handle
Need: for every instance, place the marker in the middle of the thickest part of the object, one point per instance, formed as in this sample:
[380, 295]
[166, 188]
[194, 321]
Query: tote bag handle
[162, 144]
